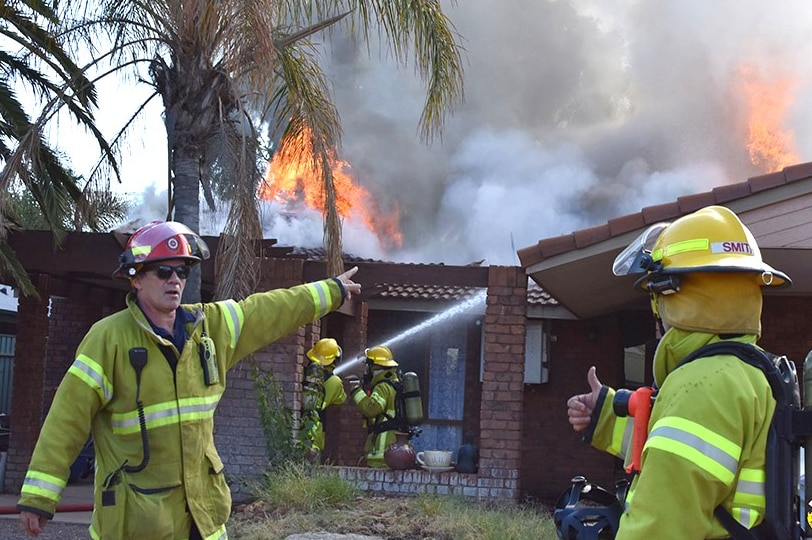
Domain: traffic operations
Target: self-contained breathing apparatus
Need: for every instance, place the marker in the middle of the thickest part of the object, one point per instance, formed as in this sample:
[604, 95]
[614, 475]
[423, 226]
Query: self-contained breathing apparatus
[790, 430]
[408, 405]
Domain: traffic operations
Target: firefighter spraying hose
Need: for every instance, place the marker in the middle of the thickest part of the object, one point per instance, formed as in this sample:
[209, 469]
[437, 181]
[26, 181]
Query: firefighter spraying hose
[389, 400]
[715, 441]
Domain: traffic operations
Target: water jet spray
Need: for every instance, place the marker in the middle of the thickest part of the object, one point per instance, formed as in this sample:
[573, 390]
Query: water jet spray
[475, 300]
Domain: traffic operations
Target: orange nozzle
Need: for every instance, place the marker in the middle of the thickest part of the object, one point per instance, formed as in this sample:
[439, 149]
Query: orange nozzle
[640, 409]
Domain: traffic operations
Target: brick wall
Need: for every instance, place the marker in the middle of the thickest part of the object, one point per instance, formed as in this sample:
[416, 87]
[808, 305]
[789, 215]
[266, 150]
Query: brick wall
[502, 404]
[412, 482]
[68, 324]
[552, 452]
[28, 385]
[786, 327]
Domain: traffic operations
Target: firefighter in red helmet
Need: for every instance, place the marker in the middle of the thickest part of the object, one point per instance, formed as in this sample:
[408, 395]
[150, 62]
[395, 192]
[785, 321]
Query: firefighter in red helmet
[145, 383]
[160, 241]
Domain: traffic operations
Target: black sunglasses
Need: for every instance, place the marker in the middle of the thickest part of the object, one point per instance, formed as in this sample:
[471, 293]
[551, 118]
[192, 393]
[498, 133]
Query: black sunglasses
[164, 271]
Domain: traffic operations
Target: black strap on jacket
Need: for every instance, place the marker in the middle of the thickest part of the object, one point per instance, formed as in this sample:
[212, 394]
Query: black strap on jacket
[385, 422]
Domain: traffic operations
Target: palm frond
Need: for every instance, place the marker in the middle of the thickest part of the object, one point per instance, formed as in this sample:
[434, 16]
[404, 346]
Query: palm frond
[237, 262]
[423, 27]
[12, 270]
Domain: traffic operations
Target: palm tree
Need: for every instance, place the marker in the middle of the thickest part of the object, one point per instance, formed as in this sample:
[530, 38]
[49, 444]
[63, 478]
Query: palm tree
[34, 174]
[235, 73]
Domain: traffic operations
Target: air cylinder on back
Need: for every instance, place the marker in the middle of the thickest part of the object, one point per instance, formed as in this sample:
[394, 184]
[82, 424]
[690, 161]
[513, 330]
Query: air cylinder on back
[412, 398]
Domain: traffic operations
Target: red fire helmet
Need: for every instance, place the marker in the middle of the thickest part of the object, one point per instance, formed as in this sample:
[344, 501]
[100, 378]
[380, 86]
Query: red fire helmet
[160, 241]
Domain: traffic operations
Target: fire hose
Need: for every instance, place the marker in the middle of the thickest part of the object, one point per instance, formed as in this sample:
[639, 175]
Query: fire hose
[60, 508]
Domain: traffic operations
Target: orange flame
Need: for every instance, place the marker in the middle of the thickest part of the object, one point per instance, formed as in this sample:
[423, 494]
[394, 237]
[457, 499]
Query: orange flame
[294, 179]
[768, 101]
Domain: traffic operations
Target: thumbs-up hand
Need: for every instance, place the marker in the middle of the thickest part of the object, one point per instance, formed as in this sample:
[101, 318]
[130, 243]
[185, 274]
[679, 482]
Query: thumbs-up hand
[579, 408]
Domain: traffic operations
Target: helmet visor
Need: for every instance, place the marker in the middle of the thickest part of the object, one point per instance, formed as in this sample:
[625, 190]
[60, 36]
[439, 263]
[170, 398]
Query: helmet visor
[199, 247]
[636, 258]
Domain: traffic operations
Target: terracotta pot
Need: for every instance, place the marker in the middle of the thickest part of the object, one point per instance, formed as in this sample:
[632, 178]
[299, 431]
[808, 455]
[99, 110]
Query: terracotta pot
[400, 455]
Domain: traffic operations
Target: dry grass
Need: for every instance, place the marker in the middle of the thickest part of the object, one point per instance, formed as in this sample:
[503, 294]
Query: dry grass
[297, 500]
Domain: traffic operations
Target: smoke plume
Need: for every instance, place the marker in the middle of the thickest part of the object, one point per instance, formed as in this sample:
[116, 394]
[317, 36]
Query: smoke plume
[575, 112]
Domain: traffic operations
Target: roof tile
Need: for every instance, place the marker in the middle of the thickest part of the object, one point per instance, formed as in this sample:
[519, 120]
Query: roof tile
[551, 247]
[592, 235]
[730, 192]
[535, 294]
[660, 212]
[766, 181]
[797, 172]
[624, 224]
[694, 202]
[558, 244]
[529, 253]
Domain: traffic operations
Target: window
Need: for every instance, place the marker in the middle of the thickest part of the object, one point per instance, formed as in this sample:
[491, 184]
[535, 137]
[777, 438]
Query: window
[634, 366]
[536, 356]
[442, 429]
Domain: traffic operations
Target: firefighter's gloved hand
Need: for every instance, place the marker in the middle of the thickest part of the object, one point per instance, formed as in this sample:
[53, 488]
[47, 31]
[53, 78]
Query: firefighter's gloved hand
[580, 407]
[353, 382]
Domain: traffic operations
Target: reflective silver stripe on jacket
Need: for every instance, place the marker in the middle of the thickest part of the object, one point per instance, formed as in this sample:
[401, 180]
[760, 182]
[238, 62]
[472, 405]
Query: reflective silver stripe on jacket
[92, 374]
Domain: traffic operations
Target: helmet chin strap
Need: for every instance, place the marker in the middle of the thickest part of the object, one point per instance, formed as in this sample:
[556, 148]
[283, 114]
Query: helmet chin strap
[655, 309]
[661, 327]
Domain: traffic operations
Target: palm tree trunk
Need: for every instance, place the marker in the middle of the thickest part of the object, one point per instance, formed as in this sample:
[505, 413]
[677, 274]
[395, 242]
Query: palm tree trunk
[186, 188]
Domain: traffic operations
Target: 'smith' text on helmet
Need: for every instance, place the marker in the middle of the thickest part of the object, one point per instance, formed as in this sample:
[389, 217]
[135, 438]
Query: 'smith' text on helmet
[731, 247]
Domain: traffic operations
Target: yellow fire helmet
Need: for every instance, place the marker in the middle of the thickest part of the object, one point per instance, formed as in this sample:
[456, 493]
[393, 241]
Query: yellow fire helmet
[704, 272]
[712, 239]
[326, 352]
[380, 355]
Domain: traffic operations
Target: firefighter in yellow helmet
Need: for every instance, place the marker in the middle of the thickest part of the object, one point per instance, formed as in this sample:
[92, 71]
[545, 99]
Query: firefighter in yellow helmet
[705, 443]
[321, 388]
[145, 384]
[377, 404]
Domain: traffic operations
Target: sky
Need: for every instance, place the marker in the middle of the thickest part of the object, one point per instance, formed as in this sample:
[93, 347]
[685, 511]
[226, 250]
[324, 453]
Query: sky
[575, 112]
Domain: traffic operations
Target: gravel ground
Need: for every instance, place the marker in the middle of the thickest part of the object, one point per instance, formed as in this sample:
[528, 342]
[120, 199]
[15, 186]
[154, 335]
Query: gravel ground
[55, 530]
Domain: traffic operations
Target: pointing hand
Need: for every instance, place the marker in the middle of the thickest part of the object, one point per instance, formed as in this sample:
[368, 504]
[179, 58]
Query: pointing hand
[350, 287]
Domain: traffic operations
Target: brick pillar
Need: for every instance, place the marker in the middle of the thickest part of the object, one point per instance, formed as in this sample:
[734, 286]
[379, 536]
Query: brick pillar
[503, 382]
[29, 380]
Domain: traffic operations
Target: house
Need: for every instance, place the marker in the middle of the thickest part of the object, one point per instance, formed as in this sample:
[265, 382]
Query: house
[502, 368]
